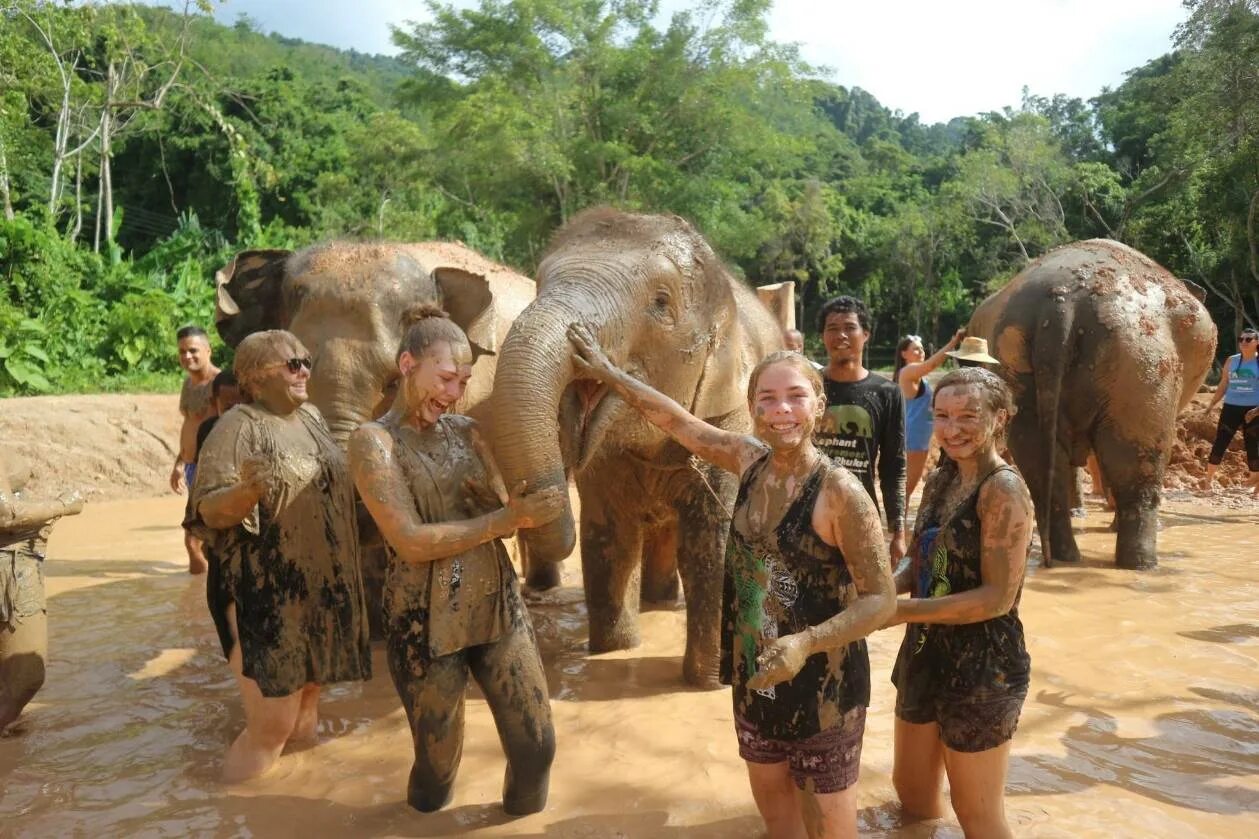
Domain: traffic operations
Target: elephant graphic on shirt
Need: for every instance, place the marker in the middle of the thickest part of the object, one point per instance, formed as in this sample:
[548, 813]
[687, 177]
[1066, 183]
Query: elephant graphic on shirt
[850, 420]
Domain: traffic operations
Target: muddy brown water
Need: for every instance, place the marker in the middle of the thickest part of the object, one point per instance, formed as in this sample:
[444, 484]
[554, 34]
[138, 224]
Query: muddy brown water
[1142, 720]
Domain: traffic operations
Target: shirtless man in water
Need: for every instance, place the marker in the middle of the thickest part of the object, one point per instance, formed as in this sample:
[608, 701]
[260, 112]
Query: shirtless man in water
[196, 404]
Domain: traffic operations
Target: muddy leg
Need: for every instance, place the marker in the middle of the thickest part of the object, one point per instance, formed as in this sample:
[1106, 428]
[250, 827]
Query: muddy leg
[611, 564]
[196, 554]
[510, 674]
[23, 651]
[701, 561]
[433, 697]
[660, 565]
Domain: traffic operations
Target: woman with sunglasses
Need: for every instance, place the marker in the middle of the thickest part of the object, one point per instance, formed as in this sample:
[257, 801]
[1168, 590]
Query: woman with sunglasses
[912, 367]
[276, 494]
[1239, 388]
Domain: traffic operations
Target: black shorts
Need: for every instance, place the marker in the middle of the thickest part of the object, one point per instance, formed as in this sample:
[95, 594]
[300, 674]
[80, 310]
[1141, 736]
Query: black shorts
[824, 763]
[974, 723]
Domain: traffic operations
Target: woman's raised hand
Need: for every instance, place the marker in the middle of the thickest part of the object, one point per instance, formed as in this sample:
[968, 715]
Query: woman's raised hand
[536, 508]
[957, 338]
[588, 355]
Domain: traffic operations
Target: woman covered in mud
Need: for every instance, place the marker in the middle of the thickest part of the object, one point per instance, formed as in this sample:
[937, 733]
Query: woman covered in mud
[24, 529]
[451, 599]
[275, 487]
[962, 672]
[807, 580]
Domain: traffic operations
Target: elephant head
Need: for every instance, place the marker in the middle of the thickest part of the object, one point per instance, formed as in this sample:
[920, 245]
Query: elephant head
[661, 304]
[343, 300]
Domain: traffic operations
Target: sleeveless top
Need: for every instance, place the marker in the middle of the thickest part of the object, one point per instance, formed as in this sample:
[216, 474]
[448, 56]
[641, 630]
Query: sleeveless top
[987, 659]
[1243, 382]
[777, 584]
[918, 420]
[440, 607]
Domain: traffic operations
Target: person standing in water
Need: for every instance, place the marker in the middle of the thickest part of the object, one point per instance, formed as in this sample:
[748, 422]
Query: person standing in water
[962, 672]
[910, 374]
[864, 426]
[1239, 388]
[24, 529]
[196, 405]
[451, 598]
[274, 485]
[807, 578]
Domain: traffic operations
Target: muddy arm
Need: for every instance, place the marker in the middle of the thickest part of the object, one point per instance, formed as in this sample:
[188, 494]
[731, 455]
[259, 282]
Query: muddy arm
[726, 450]
[1005, 511]
[853, 526]
[385, 493]
[17, 515]
[231, 505]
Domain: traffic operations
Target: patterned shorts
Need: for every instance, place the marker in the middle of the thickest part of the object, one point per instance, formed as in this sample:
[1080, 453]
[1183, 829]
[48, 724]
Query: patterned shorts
[824, 763]
[968, 723]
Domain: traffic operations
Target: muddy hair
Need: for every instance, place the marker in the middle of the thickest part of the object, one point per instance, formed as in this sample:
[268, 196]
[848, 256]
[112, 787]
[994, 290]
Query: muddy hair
[425, 324]
[261, 350]
[994, 392]
[803, 366]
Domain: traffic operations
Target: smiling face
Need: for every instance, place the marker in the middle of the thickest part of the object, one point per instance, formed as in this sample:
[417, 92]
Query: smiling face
[785, 406]
[965, 425]
[194, 353]
[280, 383]
[436, 380]
[843, 336]
[913, 353]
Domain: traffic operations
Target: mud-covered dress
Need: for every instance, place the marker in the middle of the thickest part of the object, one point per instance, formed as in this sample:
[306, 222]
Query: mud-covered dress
[969, 678]
[291, 567]
[780, 583]
[449, 618]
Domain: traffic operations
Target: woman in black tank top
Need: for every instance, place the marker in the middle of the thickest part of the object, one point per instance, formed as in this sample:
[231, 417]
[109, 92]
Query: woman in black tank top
[962, 672]
[807, 579]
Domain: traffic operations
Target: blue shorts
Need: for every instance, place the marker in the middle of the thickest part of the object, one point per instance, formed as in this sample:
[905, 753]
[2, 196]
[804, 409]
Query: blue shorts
[918, 435]
[190, 473]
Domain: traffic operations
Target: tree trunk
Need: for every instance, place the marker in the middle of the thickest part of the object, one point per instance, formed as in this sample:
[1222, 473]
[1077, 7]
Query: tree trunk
[5, 198]
[107, 181]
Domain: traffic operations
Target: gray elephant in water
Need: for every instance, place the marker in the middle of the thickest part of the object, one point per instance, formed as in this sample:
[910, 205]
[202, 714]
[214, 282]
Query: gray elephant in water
[665, 309]
[343, 301]
[1103, 348]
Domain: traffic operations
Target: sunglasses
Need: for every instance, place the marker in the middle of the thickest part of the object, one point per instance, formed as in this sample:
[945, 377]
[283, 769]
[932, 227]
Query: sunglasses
[917, 339]
[294, 364]
[1246, 339]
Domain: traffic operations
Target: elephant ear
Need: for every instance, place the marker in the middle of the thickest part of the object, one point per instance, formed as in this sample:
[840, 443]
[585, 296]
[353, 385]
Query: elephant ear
[723, 385]
[1196, 290]
[467, 298]
[249, 294]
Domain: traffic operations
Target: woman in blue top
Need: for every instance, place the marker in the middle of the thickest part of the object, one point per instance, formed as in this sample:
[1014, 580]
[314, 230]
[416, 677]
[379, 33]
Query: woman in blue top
[1239, 388]
[911, 371]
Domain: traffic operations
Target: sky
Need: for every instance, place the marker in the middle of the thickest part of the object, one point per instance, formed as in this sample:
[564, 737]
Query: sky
[939, 58]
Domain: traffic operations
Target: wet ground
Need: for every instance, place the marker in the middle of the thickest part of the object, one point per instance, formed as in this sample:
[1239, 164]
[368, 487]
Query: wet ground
[1143, 717]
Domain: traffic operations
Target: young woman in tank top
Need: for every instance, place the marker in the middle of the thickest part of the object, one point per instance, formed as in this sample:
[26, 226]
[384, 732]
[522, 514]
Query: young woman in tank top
[962, 672]
[1239, 388]
[807, 580]
[451, 600]
[910, 374]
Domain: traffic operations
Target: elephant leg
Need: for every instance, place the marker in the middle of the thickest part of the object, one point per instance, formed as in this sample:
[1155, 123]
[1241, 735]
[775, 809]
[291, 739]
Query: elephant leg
[660, 565]
[703, 517]
[1035, 458]
[539, 576]
[1134, 475]
[611, 565]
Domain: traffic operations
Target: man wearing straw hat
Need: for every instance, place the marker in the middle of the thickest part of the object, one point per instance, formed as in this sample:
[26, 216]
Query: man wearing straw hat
[973, 352]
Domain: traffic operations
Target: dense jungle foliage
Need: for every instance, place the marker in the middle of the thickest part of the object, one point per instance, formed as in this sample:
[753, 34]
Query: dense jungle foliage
[139, 148]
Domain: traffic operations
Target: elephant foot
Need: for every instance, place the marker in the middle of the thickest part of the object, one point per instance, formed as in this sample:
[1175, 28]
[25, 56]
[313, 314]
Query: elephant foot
[1066, 556]
[543, 575]
[1136, 562]
[621, 636]
[701, 676]
[662, 593]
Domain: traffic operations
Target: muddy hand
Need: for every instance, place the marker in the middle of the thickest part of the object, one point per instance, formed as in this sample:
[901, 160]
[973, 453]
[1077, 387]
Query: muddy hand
[782, 661]
[73, 503]
[588, 355]
[536, 508]
[257, 471]
[482, 494]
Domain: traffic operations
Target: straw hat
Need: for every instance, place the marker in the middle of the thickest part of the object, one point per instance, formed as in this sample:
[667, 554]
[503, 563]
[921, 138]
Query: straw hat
[973, 349]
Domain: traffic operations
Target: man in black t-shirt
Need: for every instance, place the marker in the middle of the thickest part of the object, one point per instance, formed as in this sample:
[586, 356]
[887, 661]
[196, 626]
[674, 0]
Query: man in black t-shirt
[864, 426]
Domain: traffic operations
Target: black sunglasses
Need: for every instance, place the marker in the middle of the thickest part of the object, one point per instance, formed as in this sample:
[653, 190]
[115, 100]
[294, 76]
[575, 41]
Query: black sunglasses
[295, 364]
[1246, 339]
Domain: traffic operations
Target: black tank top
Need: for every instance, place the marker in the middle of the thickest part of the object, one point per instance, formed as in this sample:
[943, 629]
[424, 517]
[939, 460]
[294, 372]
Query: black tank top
[981, 659]
[778, 584]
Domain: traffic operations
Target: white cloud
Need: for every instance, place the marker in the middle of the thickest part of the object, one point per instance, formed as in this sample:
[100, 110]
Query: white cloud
[941, 59]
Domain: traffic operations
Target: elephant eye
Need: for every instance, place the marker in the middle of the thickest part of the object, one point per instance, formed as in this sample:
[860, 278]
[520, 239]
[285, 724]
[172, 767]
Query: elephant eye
[662, 299]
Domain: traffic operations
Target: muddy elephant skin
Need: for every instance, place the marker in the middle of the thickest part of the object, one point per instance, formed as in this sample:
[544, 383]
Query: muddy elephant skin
[667, 311]
[1103, 348]
[342, 300]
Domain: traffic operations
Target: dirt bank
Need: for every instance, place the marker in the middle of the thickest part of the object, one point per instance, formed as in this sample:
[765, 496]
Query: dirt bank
[107, 446]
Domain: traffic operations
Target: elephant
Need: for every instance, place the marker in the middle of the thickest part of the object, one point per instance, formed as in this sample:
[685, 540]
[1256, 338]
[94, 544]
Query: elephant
[848, 419]
[343, 301]
[664, 308]
[1102, 347]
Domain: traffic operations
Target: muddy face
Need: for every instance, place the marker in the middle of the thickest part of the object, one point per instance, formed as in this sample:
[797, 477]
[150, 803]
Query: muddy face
[280, 385]
[964, 425]
[436, 381]
[784, 407]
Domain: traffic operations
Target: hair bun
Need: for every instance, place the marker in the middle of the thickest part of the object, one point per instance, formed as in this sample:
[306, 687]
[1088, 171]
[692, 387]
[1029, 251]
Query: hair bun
[417, 312]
